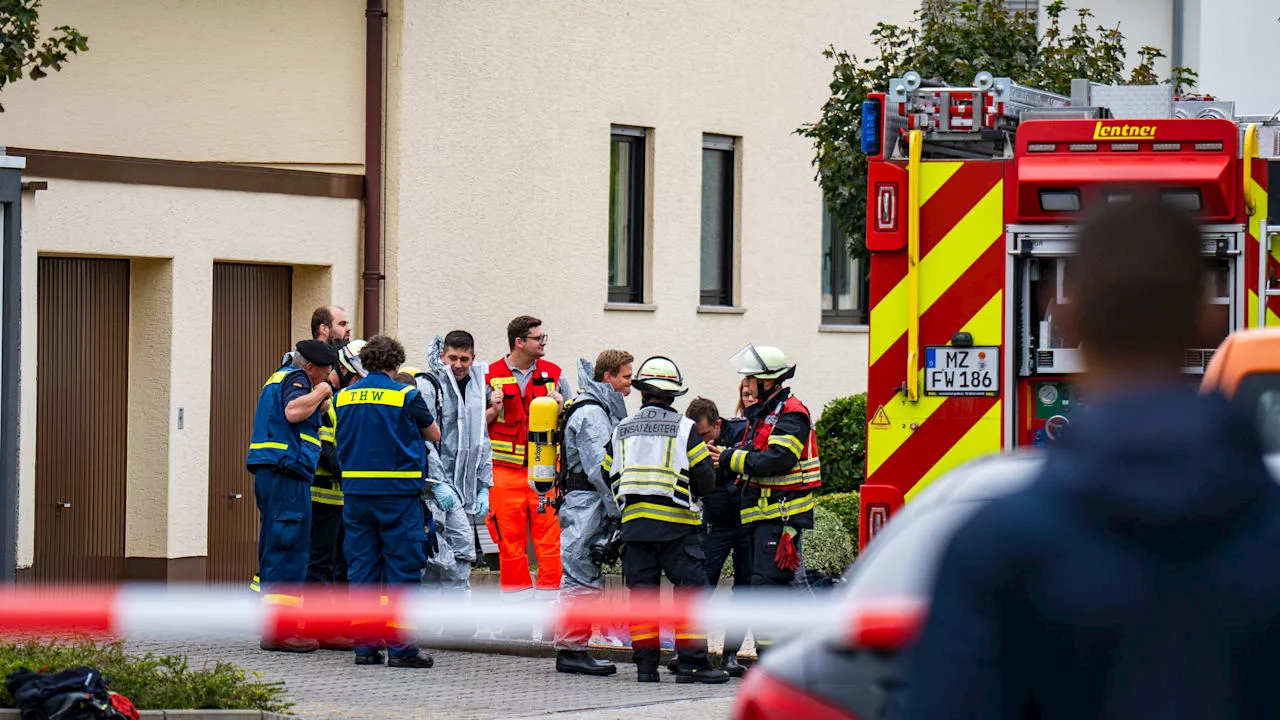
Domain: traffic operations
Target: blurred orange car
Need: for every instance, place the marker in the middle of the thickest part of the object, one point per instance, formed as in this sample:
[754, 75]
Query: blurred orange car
[1246, 369]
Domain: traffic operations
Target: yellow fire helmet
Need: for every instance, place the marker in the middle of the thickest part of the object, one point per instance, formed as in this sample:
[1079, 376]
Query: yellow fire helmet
[659, 376]
[764, 361]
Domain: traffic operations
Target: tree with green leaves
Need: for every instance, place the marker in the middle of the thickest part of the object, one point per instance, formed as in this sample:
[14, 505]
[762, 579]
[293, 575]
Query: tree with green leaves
[956, 40]
[22, 52]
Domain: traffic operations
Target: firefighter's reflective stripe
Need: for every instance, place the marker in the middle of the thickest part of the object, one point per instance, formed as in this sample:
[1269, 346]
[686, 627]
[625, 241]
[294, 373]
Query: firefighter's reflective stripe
[698, 453]
[382, 474]
[788, 442]
[503, 450]
[325, 496]
[768, 509]
[255, 585]
[738, 461]
[268, 446]
[663, 513]
[276, 377]
[806, 474]
[310, 438]
[327, 435]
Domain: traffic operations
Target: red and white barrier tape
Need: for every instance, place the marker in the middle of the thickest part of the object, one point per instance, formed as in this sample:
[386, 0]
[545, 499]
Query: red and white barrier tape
[142, 611]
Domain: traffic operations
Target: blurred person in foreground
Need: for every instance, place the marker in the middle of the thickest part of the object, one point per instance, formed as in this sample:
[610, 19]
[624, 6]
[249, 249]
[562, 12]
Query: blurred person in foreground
[1135, 577]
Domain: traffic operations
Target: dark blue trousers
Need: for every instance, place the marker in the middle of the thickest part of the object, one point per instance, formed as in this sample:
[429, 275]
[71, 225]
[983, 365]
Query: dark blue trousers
[284, 535]
[385, 543]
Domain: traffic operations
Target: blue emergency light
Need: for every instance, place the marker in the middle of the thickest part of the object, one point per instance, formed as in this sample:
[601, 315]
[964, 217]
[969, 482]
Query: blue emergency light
[871, 127]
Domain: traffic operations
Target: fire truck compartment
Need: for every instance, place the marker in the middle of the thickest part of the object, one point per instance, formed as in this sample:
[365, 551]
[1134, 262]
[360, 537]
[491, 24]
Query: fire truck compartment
[1048, 353]
[1208, 181]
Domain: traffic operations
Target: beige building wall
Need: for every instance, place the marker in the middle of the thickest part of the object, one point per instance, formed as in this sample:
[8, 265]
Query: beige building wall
[277, 83]
[501, 117]
[1143, 22]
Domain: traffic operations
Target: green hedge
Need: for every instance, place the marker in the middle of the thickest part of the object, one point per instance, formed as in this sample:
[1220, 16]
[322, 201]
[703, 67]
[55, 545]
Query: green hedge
[842, 443]
[827, 546]
[151, 682]
[844, 506]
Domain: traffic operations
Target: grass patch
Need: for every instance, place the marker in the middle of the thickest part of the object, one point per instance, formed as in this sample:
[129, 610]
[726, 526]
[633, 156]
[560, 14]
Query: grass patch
[152, 682]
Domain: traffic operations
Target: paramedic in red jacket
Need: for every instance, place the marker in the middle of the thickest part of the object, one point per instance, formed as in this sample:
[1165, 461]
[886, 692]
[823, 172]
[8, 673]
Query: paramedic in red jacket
[514, 381]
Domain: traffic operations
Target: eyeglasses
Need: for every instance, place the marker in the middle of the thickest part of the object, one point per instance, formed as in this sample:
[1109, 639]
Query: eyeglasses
[543, 338]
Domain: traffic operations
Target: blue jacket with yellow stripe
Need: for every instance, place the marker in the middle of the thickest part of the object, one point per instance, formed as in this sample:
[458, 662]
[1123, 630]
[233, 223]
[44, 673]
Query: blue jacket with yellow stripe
[277, 443]
[379, 437]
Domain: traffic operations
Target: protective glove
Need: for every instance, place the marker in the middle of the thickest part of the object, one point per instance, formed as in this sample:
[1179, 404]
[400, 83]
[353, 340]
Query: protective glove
[445, 496]
[482, 503]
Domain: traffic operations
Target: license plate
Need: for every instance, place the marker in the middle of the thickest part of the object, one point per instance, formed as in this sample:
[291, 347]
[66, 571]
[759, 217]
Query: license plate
[962, 371]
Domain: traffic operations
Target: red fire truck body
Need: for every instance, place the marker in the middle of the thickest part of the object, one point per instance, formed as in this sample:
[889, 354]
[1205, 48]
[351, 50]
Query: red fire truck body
[972, 197]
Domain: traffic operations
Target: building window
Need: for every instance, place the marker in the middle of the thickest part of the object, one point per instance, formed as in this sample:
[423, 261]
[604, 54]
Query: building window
[626, 214]
[718, 170]
[1031, 7]
[845, 281]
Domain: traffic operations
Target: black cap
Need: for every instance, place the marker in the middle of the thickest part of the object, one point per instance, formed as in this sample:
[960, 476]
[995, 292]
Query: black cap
[317, 352]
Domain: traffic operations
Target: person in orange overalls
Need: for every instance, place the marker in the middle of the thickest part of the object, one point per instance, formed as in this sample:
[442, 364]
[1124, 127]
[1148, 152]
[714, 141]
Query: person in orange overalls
[514, 381]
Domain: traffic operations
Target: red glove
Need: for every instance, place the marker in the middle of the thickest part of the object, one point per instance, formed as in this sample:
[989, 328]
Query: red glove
[787, 558]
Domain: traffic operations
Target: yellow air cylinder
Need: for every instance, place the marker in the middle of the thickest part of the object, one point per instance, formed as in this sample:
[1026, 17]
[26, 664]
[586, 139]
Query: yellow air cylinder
[543, 415]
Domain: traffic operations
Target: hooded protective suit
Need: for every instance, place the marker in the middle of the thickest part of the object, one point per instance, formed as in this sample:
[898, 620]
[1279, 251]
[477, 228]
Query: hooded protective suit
[582, 516]
[463, 461]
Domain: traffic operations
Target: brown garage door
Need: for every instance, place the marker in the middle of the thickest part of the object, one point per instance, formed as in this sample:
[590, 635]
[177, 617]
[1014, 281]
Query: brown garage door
[251, 317]
[82, 420]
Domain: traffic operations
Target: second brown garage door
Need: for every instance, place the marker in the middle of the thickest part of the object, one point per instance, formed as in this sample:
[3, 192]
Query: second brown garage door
[251, 320]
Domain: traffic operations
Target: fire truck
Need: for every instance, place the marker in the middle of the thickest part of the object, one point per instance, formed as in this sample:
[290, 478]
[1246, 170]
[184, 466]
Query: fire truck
[972, 197]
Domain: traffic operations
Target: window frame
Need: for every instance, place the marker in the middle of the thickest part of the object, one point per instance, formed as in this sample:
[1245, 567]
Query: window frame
[632, 291]
[724, 296]
[859, 279]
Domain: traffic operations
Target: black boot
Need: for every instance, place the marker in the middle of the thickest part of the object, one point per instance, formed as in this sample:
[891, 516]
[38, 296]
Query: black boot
[421, 660]
[673, 665]
[374, 659]
[705, 675]
[647, 676]
[578, 661]
[731, 665]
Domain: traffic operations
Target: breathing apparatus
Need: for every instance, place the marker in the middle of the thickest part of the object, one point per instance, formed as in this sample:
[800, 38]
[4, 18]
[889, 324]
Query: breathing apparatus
[541, 448]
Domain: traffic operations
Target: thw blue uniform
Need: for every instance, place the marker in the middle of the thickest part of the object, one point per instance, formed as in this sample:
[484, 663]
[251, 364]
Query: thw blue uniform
[282, 457]
[383, 458]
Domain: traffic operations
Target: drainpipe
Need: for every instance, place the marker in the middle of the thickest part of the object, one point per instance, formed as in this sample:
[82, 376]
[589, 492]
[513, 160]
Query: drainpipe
[371, 300]
[1175, 51]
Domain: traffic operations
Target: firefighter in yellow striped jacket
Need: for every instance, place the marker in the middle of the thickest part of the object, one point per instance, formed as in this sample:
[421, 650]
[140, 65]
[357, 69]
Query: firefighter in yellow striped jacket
[777, 463]
[660, 468]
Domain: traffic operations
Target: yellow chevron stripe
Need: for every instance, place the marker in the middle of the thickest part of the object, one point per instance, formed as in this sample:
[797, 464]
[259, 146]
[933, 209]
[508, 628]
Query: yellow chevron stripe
[986, 326]
[934, 175]
[1273, 320]
[1259, 195]
[940, 269]
[982, 438]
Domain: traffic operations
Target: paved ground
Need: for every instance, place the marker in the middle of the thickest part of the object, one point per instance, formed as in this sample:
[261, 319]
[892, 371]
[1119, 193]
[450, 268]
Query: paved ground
[461, 686]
